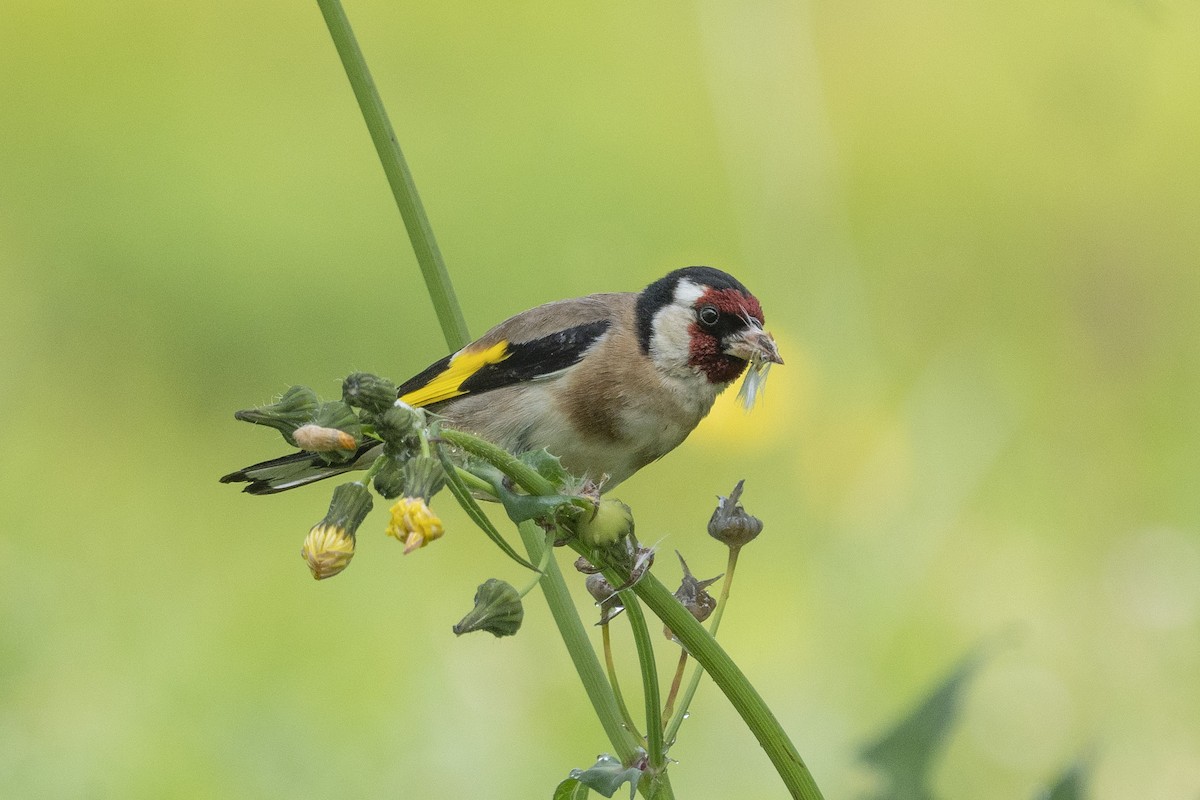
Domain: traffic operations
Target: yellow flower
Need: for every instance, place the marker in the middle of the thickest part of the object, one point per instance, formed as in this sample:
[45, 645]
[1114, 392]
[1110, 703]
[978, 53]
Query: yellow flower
[414, 524]
[327, 549]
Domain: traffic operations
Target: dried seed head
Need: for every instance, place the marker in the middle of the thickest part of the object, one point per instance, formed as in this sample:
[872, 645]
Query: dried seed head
[605, 596]
[693, 595]
[730, 523]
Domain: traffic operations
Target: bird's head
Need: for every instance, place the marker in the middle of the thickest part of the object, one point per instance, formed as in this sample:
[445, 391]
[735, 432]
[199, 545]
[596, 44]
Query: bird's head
[704, 320]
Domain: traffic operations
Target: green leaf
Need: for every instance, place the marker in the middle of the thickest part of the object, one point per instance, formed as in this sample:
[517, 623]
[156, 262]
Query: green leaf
[463, 495]
[570, 789]
[1071, 785]
[548, 466]
[906, 754]
[607, 775]
[522, 507]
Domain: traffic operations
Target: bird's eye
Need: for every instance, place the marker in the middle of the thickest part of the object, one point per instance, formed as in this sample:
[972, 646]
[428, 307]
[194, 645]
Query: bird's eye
[709, 316]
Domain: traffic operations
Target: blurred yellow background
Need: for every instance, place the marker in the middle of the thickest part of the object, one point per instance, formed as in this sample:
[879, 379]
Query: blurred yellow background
[974, 230]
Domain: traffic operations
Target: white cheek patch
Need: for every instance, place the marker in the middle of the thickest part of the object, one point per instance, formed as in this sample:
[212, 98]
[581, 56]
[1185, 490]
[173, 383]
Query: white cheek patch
[670, 339]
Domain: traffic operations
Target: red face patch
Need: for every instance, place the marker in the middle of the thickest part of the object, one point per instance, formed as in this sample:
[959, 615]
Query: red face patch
[705, 347]
[732, 302]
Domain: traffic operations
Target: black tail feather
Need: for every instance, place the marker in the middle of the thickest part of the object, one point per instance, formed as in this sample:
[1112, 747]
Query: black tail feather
[291, 471]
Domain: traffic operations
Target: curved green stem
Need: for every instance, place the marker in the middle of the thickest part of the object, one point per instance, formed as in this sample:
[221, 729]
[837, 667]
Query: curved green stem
[474, 482]
[606, 637]
[671, 695]
[650, 690]
[404, 190]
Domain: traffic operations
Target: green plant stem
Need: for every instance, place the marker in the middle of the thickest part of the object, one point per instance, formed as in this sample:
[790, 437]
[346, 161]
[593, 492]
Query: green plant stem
[526, 476]
[698, 672]
[579, 646]
[547, 555]
[650, 692]
[420, 233]
[610, 666]
[671, 695]
[475, 483]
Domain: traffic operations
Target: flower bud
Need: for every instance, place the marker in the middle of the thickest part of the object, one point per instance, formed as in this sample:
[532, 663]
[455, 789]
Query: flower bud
[497, 610]
[369, 392]
[389, 479]
[398, 423]
[611, 522]
[316, 439]
[329, 546]
[730, 523]
[295, 407]
[414, 523]
[327, 550]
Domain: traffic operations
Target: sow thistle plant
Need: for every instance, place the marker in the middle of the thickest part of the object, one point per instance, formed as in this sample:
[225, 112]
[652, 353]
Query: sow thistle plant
[408, 456]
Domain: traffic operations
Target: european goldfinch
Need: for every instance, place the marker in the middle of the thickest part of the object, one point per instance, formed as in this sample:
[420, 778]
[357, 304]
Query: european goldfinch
[607, 382]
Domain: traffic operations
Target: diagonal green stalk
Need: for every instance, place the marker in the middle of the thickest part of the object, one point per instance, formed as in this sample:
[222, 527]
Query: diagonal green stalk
[420, 233]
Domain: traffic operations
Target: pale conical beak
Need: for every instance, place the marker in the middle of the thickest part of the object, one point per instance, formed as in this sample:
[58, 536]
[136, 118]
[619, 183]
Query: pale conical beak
[754, 342]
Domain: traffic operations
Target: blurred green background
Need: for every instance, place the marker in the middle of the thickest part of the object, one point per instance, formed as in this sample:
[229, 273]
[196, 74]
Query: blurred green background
[974, 229]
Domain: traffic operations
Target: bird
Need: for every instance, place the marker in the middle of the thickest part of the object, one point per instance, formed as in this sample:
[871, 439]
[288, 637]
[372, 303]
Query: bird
[608, 382]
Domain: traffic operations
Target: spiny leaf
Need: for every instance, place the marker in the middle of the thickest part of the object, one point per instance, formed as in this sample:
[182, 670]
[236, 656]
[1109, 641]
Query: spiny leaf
[547, 465]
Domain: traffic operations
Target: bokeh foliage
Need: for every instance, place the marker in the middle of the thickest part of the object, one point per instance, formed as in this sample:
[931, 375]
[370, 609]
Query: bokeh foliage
[974, 233]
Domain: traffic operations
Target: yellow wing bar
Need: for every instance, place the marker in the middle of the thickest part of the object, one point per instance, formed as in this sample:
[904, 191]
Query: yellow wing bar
[447, 383]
